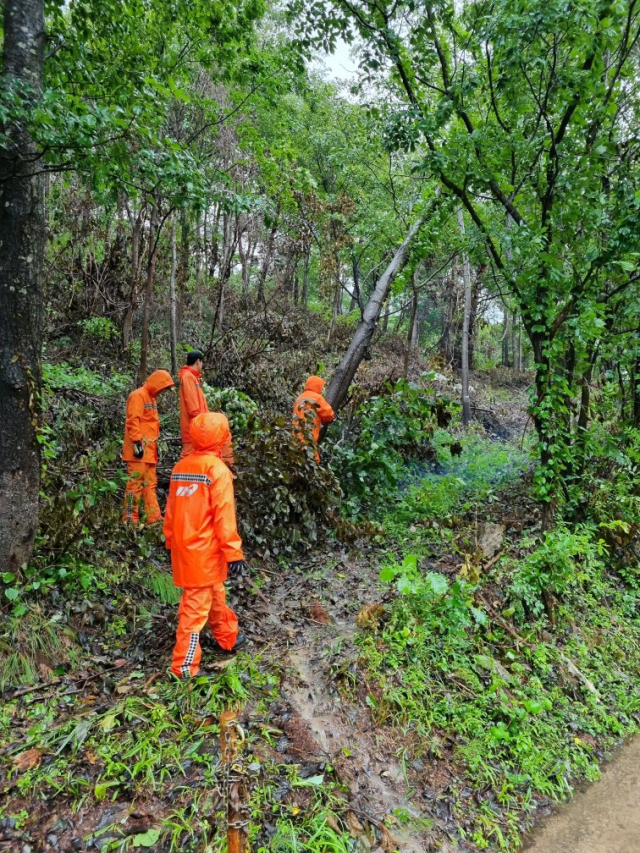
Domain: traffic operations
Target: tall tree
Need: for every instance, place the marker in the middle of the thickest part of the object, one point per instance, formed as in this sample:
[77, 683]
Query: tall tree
[22, 233]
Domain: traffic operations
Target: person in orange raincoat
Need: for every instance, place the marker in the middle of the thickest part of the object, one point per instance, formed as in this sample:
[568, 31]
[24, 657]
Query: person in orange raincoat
[201, 533]
[310, 411]
[140, 449]
[193, 403]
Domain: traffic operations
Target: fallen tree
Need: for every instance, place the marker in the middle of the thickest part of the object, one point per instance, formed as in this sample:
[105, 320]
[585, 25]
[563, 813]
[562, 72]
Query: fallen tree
[339, 384]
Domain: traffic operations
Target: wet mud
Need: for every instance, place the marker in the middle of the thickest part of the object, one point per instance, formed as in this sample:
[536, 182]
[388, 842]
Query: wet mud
[603, 818]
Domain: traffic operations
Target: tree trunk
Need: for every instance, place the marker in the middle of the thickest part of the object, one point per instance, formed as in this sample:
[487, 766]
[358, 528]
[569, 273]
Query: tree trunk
[466, 274]
[126, 329]
[446, 347]
[183, 273]
[173, 302]
[355, 295]
[268, 252]
[244, 259]
[22, 240]
[504, 340]
[305, 282]
[199, 261]
[346, 370]
[412, 333]
[476, 287]
[636, 392]
[148, 294]
[385, 319]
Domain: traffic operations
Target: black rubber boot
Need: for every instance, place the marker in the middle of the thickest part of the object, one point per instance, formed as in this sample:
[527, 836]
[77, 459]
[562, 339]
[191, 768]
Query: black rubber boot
[217, 649]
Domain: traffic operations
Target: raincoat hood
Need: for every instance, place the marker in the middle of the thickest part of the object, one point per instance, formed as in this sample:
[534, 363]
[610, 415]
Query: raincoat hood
[158, 381]
[314, 383]
[188, 369]
[210, 431]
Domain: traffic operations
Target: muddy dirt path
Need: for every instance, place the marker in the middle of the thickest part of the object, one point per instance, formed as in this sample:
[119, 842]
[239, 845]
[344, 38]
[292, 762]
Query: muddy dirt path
[315, 624]
[605, 818]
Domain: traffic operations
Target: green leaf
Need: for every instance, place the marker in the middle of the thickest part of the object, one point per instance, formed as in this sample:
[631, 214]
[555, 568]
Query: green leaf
[146, 839]
[438, 583]
[12, 593]
[388, 573]
[311, 782]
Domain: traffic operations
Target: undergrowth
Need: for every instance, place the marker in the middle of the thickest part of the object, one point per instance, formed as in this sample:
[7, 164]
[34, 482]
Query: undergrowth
[472, 663]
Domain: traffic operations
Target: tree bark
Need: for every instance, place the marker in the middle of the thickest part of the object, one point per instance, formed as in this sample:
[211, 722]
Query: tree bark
[22, 239]
[244, 258]
[305, 281]
[412, 334]
[268, 252]
[173, 302]
[346, 370]
[183, 273]
[148, 294]
[504, 340]
[464, 357]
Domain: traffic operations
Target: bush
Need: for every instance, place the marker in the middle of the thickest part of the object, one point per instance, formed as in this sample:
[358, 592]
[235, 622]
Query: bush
[284, 497]
[238, 407]
[381, 435]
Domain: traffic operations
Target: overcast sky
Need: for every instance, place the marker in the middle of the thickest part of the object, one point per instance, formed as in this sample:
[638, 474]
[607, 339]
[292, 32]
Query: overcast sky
[339, 64]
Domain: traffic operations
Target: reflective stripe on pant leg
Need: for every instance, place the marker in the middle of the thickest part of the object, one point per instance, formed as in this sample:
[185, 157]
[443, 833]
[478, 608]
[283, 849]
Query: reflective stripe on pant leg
[193, 612]
[222, 620]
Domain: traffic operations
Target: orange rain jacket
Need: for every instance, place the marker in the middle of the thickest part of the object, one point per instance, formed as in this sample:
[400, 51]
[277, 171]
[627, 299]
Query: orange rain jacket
[311, 408]
[193, 403]
[192, 400]
[142, 422]
[200, 519]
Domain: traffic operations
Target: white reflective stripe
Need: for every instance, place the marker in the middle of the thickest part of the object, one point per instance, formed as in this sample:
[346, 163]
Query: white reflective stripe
[191, 478]
[191, 653]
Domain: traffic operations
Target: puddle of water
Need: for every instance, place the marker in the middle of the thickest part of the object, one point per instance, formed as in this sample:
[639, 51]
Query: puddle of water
[603, 819]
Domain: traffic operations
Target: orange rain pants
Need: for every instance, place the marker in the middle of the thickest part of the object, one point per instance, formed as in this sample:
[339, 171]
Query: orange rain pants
[141, 486]
[197, 607]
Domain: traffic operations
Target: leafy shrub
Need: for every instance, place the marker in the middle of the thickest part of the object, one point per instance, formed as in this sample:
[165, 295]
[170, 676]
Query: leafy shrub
[383, 432]
[99, 328]
[284, 497]
[432, 595]
[63, 376]
[238, 407]
[564, 558]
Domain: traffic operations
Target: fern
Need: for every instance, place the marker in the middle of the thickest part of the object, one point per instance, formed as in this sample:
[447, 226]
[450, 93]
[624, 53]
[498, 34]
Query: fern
[161, 584]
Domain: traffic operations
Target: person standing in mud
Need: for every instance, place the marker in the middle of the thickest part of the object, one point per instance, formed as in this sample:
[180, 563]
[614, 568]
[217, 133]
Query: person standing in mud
[310, 412]
[194, 403]
[140, 449]
[201, 533]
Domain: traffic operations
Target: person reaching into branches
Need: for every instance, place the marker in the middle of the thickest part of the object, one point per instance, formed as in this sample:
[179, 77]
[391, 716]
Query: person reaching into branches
[200, 531]
[310, 412]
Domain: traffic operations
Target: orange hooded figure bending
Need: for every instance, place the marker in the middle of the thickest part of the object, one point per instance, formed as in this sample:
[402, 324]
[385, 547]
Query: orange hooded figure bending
[193, 403]
[310, 411]
[140, 448]
[200, 531]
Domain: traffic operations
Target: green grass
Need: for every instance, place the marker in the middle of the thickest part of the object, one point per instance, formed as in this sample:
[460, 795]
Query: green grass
[522, 718]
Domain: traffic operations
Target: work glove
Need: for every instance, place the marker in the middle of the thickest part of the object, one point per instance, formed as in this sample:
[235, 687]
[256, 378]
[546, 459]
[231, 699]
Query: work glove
[138, 450]
[235, 569]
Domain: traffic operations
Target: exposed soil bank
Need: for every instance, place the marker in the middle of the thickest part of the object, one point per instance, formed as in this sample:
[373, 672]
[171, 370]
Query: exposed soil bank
[605, 818]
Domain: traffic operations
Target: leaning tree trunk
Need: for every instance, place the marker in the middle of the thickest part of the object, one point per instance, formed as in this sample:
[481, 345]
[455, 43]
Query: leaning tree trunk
[346, 370]
[22, 235]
